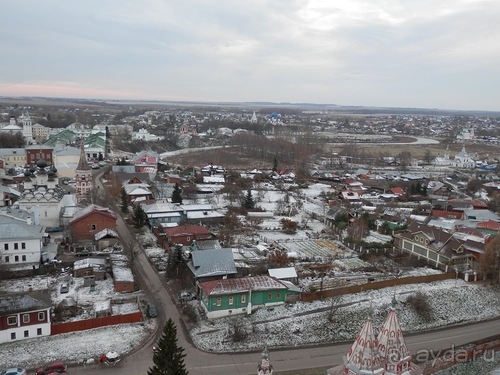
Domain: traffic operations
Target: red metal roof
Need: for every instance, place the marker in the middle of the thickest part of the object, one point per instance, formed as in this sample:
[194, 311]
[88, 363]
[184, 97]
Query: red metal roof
[243, 284]
[489, 225]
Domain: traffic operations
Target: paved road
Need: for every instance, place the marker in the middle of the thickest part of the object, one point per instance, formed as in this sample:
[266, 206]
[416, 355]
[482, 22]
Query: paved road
[201, 363]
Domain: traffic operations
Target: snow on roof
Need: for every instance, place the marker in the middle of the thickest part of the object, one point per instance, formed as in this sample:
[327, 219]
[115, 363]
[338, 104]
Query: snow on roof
[282, 273]
[90, 209]
[98, 263]
[102, 305]
[243, 284]
[203, 214]
[197, 207]
[164, 214]
[118, 257]
[139, 191]
[19, 303]
[121, 270]
[213, 179]
[105, 232]
[168, 225]
[122, 273]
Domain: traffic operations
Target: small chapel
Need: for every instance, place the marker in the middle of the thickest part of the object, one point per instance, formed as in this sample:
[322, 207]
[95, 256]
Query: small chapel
[385, 354]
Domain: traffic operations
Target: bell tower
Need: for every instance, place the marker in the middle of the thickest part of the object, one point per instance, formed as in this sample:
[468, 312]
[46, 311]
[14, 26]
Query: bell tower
[84, 182]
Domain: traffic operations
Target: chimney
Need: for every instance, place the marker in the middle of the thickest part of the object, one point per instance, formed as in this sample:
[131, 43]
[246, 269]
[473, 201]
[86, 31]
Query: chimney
[28, 220]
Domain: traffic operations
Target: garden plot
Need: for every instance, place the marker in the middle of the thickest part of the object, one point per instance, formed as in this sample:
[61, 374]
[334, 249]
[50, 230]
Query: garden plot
[311, 249]
[352, 263]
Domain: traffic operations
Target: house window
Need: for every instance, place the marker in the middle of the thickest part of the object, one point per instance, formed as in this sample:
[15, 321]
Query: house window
[23, 258]
[278, 295]
[269, 296]
[219, 301]
[12, 320]
[23, 245]
[16, 258]
[7, 259]
[39, 331]
[12, 335]
[16, 246]
[93, 227]
[26, 333]
[231, 300]
[243, 298]
[41, 316]
[6, 246]
[26, 318]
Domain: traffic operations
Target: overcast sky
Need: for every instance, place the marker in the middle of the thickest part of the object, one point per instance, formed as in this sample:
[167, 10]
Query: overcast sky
[399, 53]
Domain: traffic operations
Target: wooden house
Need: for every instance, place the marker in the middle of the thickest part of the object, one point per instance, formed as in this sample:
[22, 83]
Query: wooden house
[226, 297]
[23, 317]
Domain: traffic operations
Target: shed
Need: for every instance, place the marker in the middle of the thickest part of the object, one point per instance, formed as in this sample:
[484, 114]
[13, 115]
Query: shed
[284, 274]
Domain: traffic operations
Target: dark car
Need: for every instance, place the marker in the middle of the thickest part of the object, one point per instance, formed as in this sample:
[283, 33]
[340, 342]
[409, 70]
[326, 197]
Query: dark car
[56, 367]
[151, 310]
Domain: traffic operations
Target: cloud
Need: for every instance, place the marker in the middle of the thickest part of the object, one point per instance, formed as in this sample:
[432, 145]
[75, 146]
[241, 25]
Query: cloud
[359, 52]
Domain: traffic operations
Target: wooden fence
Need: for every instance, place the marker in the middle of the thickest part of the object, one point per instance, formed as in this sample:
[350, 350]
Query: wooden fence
[81, 325]
[323, 294]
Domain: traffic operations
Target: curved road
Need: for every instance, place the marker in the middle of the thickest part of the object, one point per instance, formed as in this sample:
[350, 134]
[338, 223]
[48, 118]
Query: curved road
[202, 363]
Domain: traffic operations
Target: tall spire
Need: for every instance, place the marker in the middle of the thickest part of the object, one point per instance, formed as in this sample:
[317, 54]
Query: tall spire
[83, 175]
[392, 346]
[363, 356]
[83, 165]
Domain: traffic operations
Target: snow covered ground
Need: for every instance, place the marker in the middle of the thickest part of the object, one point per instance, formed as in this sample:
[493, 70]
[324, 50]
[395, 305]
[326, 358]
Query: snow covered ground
[282, 326]
[307, 323]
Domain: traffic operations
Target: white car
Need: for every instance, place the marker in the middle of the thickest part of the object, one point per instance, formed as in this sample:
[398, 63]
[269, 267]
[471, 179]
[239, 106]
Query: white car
[14, 371]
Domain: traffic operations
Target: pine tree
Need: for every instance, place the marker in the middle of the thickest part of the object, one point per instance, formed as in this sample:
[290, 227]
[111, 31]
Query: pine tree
[175, 258]
[275, 165]
[248, 202]
[124, 205]
[140, 217]
[169, 358]
[176, 194]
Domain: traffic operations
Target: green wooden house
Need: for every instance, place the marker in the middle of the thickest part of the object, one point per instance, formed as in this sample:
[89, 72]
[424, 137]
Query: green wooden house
[243, 295]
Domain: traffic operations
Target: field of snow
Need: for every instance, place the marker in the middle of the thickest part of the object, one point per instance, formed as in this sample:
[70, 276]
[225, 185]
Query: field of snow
[281, 326]
[300, 324]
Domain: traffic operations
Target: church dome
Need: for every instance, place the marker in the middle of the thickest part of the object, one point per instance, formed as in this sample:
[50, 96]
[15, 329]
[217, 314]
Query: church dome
[32, 169]
[41, 164]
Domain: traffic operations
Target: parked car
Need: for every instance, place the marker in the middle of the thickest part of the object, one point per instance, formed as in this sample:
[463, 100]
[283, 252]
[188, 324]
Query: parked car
[53, 261]
[156, 347]
[151, 311]
[14, 371]
[64, 288]
[187, 296]
[57, 367]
